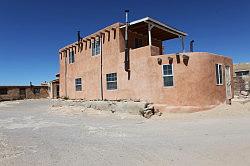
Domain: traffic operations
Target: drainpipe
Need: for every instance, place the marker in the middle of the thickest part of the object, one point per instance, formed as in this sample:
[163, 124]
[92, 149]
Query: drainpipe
[101, 82]
[65, 73]
[127, 66]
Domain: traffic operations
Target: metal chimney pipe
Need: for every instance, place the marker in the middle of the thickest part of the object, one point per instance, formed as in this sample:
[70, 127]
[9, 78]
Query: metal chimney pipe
[127, 66]
[192, 46]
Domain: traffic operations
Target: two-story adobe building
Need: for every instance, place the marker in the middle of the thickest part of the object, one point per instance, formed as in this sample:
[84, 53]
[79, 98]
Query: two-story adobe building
[97, 67]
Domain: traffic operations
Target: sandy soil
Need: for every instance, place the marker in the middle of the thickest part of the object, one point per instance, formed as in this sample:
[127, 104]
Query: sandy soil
[36, 132]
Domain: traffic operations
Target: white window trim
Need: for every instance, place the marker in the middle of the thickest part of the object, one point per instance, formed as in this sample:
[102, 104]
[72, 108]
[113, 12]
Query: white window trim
[93, 43]
[219, 64]
[168, 75]
[111, 82]
[78, 84]
[70, 57]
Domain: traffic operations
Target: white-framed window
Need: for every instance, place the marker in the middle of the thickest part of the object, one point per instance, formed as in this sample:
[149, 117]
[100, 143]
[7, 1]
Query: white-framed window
[71, 57]
[95, 45]
[168, 75]
[111, 81]
[219, 77]
[78, 84]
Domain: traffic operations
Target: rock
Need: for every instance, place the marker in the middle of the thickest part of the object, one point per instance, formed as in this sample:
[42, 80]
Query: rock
[148, 113]
[141, 112]
[150, 107]
[146, 105]
[157, 112]
[244, 93]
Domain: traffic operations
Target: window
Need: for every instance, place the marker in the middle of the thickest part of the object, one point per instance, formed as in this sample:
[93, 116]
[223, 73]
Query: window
[218, 68]
[138, 43]
[95, 47]
[111, 81]
[168, 77]
[71, 57]
[78, 84]
[36, 90]
[3, 91]
[22, 91]
[242, 73]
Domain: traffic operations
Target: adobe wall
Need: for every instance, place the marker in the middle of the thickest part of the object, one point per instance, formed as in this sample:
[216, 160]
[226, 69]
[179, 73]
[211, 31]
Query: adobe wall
[14, 94]
[194, 83]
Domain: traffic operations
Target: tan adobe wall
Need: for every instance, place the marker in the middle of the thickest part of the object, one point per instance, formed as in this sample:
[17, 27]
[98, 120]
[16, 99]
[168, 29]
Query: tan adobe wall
[14, 93]
[194, 84]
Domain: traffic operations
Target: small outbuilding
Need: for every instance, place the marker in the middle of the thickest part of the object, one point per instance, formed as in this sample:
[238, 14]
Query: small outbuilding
[23, 92]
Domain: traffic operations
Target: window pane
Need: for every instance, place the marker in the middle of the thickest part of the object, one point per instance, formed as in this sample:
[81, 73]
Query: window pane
[78, 87]
[36, 90]
[73, 57]
[217, 73]
[219, 78]
[78, 81]
[168, 80]
[220, 72]
[111, 85]
[111, 81]
[93, 48]
[78, 84]
[3, 91]
[167, 70]
[97, 47]
[22, 91]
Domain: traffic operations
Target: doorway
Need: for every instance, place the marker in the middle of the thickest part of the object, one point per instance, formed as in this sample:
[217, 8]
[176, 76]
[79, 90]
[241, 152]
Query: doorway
[228, 82]
[22, 93]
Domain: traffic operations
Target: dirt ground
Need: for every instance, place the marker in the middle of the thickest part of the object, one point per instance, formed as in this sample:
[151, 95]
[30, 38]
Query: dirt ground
[36, 132]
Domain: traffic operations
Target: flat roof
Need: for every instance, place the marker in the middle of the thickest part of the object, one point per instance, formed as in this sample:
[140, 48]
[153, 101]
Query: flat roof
[23, 86]
[160, 31]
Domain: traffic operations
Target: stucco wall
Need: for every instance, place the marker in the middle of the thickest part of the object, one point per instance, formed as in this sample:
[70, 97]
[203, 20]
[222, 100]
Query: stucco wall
[194, 83]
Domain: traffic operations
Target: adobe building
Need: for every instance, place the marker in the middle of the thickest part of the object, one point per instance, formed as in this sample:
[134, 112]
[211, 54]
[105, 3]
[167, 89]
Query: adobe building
[242, 78]
[126, 61]
[53, 88]
[23, 92]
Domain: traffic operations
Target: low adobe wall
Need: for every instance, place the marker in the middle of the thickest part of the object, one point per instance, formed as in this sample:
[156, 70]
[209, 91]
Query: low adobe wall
[13, 93]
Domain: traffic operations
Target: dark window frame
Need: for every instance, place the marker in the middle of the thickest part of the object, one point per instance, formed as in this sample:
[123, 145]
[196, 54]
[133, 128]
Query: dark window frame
[78, 84]
[3, 91]
[21, 90]
[36, 90]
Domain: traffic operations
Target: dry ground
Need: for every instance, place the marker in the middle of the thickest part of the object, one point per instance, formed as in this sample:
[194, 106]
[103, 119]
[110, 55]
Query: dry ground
[35, 132]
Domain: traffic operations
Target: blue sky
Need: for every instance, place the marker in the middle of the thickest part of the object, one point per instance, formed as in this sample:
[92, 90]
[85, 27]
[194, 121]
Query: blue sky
[31, 32]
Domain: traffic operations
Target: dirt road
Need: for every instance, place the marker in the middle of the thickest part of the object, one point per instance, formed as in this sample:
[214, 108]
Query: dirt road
[33, 132]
